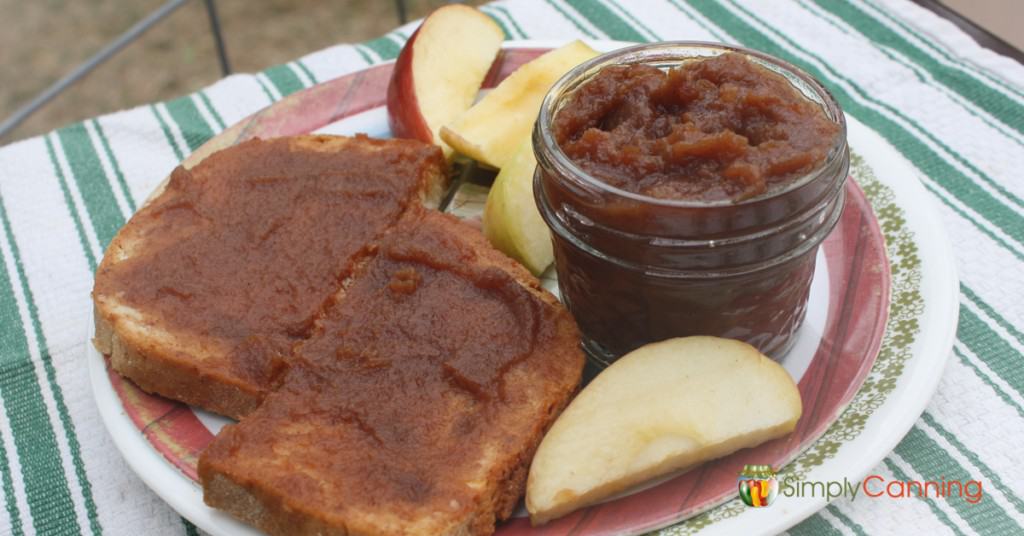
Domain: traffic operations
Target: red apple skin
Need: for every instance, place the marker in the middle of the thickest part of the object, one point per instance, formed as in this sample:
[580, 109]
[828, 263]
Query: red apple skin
[404, 115]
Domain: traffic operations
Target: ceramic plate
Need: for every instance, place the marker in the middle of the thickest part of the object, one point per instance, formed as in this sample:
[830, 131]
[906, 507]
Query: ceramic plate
[879, 327]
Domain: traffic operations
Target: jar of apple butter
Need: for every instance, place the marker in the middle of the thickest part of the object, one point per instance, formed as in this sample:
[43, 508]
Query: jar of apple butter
[687, 187]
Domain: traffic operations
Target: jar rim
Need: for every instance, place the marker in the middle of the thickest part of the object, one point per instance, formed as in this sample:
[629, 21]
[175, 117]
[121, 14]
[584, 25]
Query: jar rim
[674, 51]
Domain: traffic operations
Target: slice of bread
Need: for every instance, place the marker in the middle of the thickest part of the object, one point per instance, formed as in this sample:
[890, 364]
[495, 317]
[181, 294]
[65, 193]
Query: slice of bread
[417, 402]
[201, 296]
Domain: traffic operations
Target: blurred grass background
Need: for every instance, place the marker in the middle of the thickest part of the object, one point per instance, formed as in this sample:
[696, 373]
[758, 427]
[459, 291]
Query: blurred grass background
[44, 39]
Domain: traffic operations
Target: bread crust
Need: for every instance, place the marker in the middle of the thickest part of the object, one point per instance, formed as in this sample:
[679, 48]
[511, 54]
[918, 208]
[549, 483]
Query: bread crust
[153, 372]
[269, 513]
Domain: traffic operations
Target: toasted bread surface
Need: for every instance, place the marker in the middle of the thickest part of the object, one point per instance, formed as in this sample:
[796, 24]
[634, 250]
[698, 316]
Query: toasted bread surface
[417, 402]
[202, 294]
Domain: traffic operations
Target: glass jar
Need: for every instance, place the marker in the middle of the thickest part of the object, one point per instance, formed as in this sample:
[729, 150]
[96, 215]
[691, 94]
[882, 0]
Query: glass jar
[634, 269]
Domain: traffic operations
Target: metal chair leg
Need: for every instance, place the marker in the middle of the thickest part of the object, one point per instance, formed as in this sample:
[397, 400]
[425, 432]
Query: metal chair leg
[218, 38]
[402, 15]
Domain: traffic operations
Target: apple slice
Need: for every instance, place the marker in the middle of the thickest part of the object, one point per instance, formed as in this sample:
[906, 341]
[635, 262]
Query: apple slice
[661, 408]
[439, 71]
[491, 130]
[511, 220]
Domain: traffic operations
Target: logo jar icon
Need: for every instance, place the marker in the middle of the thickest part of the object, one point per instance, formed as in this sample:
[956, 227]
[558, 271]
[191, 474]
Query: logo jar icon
[758, 486]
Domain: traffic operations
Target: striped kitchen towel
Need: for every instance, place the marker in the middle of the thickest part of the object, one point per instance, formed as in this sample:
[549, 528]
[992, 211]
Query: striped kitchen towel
[952, 108]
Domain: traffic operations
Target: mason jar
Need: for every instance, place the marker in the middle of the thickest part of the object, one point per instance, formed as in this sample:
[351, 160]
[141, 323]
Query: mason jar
[634, 269]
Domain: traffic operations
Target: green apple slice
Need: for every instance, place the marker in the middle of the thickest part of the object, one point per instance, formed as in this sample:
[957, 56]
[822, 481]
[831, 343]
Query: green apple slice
[511, 220]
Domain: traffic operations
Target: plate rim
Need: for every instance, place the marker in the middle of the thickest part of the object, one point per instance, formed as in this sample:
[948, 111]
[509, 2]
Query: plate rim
[932, 350]
[186, 498]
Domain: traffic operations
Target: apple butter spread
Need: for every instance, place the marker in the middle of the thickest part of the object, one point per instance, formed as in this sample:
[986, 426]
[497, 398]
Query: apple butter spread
[712, 129]
[423, 389]
[394, 325]
[238, 253]
[687, 187]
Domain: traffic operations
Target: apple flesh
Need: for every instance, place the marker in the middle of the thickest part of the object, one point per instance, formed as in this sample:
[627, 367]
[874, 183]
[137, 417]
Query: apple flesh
[439, 71]
[664, 407]
[511, 220]
[491, 130]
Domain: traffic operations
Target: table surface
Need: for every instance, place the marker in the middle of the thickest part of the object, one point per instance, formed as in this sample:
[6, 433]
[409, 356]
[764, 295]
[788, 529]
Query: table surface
[994, 24]
[955, 110]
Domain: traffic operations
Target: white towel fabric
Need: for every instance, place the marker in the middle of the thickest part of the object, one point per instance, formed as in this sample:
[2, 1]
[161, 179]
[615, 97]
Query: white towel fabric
[954, 109]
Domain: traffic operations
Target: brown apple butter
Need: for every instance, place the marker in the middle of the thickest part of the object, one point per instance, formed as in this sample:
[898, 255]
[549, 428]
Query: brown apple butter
[243, 248]
[720, 128]
[687, 187]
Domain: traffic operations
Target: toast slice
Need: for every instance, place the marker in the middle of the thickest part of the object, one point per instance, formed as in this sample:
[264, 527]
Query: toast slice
[202, 294]
[417, 402]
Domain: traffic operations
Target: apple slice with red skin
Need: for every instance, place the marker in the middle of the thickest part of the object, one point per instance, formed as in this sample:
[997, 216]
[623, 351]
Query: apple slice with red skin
[439, 71]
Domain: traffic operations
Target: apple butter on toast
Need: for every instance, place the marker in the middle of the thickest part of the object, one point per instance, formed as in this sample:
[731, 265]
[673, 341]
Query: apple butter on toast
[416, 404]
[201, 295]
[394, 373]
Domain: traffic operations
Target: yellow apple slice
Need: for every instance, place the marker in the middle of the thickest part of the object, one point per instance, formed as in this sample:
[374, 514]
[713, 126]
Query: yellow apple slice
[511, 220]
[439, 71]
[661, 408]
[491, 130]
